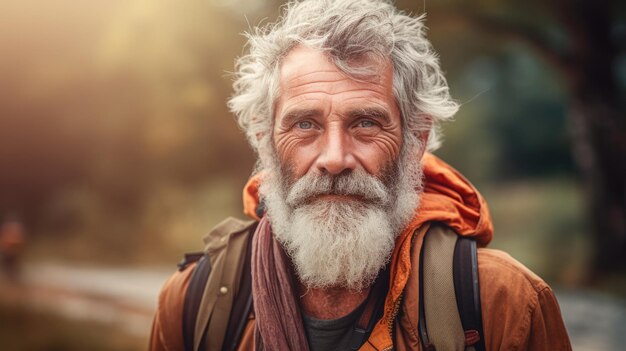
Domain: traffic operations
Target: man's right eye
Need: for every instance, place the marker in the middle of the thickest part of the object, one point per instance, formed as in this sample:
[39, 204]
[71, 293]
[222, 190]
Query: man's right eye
[304, 125]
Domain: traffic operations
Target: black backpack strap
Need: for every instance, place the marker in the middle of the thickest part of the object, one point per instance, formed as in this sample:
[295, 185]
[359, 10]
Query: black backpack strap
[372, 311]
[467, 290]
[193, 297]
[188, 259]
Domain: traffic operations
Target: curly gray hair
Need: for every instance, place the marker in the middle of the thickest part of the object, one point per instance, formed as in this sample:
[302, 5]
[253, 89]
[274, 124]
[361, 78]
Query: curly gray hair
[349, 32]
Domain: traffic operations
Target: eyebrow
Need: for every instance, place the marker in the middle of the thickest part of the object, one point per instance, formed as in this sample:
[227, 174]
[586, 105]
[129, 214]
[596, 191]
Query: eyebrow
[296, 114]
[371, 112]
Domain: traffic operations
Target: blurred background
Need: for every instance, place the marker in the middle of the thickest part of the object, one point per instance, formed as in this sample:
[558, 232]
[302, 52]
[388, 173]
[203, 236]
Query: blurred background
[117, 152]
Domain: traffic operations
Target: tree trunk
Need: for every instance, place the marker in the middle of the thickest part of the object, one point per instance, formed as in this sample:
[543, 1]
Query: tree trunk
[599, 131]
[599, 152]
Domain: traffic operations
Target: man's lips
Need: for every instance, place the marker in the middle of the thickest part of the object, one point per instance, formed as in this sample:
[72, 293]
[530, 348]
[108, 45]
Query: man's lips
[337, 197]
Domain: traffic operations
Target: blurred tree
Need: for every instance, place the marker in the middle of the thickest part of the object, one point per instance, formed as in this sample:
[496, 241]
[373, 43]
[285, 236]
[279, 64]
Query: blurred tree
[581, 41]
[113, 101]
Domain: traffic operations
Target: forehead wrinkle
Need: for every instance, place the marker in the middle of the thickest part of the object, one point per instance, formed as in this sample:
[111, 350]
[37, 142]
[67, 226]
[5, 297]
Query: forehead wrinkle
[303, 82]
[341, 88]
[379, 104]
[287, 103]
[324, 72]
[332, 77]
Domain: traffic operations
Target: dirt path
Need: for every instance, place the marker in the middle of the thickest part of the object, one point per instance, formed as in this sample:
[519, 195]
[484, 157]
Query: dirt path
[594, 321]
[127, 297]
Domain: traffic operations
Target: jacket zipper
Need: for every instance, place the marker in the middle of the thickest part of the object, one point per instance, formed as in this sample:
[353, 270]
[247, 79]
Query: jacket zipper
[394, 313]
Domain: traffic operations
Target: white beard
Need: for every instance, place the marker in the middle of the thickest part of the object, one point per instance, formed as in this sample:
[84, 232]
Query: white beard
[341, 243]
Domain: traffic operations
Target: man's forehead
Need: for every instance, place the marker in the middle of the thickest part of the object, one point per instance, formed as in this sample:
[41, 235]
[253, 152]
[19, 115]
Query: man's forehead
[303, 63]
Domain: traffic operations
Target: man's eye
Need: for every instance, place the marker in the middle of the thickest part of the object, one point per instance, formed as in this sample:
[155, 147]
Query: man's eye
[366, 123]
[304, 125]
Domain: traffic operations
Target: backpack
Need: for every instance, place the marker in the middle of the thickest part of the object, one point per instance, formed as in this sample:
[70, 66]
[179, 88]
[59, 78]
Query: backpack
[218, 300]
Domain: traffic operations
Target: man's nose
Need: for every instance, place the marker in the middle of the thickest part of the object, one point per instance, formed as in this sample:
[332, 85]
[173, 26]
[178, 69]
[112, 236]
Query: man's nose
[336, 154]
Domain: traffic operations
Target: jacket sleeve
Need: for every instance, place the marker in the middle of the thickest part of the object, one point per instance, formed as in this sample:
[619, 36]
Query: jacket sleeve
[167, 325]
[519, 309]
[156, 338]
[547, 330]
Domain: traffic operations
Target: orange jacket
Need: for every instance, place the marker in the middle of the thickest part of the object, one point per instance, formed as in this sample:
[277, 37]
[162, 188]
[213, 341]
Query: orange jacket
[519, 310]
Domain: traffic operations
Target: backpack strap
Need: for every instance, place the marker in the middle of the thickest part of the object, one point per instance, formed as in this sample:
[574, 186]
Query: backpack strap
[467, 291]
[218, 298]
[372, 311]
[193, 296]
[449, 268]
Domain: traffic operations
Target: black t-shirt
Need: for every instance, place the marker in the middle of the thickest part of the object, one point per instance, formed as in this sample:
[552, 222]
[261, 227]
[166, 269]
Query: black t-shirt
[331, 334]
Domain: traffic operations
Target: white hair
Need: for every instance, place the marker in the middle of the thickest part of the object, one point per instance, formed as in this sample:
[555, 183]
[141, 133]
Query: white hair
[350, 32]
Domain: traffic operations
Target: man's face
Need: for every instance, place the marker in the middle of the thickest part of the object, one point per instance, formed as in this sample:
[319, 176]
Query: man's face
[342, 182]
[328, 123]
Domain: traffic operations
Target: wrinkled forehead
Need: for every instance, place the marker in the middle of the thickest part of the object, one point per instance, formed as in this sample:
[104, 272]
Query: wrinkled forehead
[302, 60]
[304, 67]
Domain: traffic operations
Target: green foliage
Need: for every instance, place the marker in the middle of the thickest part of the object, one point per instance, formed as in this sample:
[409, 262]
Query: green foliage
[540, 224]
[512, 118]
[170, 221]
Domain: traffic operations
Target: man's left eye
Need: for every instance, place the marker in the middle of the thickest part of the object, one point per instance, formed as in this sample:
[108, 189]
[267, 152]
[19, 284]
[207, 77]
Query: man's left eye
[304, 125]
[366, 123]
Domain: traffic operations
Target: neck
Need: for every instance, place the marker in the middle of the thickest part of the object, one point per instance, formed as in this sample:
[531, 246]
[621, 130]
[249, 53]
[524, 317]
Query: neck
[330, 303]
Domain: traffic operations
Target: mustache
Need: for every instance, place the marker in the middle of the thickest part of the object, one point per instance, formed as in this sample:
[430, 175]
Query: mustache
[357, 183]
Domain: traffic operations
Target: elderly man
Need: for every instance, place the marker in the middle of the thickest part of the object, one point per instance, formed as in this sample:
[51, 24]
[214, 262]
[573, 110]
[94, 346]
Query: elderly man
[341, 100]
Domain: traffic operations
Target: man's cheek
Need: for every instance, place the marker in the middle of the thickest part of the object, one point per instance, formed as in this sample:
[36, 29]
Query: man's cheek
[389, 173]
[287, 173]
